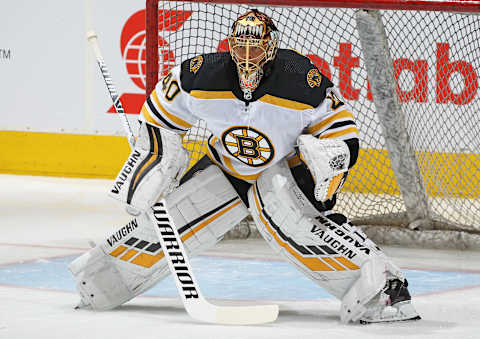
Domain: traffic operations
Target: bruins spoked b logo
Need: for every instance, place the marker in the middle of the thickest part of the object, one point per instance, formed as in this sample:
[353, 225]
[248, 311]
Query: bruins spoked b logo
[195, 64]
[314, 79]
[248, 145]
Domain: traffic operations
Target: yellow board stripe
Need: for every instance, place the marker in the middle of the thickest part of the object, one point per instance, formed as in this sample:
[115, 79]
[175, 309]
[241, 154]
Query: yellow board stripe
[98, 156]
[62, 155]
[290, 104]
[315, 264]
[119, 250]
[212, 94]
[322, 124]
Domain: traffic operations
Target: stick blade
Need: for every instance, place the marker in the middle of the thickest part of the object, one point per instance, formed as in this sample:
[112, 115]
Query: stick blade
[233, 315]
[247, 315]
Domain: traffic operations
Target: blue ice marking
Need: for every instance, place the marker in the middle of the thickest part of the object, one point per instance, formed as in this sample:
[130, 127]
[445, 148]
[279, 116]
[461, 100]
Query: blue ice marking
[228, 278]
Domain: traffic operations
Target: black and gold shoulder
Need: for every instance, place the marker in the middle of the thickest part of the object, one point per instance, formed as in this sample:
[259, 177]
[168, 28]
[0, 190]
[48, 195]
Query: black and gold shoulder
[294, 77]
[208, 72]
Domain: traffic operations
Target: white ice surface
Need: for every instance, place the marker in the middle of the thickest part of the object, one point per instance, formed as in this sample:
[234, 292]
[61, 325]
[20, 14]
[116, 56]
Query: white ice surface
[51, 217]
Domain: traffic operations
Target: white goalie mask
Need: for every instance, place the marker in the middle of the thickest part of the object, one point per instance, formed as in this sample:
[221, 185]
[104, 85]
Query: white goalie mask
[253, 42]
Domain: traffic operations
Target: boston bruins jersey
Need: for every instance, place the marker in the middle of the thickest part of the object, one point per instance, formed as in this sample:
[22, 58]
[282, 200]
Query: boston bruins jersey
[248, 136]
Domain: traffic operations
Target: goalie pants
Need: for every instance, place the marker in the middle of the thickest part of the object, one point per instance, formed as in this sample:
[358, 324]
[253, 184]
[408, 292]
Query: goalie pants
[300, 174]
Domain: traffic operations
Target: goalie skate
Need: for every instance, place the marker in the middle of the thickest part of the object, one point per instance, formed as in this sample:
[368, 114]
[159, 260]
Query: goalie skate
[391, 304]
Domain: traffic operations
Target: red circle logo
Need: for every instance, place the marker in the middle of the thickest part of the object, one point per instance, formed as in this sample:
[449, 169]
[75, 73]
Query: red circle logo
[132, 46]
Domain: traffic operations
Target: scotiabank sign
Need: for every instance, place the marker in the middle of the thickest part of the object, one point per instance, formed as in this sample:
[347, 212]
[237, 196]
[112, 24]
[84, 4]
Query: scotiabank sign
[345, 63]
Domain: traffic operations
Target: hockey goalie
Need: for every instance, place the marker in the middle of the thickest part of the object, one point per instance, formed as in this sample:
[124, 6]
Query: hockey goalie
[282, 142]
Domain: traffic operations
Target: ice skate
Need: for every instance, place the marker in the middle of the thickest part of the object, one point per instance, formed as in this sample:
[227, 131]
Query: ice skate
[393, 303]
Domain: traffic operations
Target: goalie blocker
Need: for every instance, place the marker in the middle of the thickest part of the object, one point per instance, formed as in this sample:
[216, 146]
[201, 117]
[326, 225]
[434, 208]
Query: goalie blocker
[151, 170]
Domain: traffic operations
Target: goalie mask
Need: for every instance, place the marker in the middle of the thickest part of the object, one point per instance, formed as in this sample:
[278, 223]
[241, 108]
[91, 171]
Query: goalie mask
[253, 42]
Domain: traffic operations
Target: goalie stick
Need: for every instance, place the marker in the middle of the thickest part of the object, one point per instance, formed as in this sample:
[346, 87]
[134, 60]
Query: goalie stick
[194, 302]
[92, 39]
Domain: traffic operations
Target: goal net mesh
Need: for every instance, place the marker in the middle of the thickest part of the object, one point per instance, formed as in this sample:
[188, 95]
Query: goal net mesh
[435, 57]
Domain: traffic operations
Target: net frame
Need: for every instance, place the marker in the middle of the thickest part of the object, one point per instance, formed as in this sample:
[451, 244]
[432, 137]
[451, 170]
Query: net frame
[466, 6]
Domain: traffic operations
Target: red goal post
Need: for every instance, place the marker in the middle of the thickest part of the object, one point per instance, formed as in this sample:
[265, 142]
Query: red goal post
[410, 70]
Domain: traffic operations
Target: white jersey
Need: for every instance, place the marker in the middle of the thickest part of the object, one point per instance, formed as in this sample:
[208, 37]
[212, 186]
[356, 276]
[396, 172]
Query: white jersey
[250, 136]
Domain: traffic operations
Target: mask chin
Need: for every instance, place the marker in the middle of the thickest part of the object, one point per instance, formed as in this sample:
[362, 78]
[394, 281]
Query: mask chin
[249, 82]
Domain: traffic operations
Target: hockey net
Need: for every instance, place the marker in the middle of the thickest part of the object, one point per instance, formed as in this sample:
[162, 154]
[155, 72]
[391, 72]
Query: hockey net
[419, 164]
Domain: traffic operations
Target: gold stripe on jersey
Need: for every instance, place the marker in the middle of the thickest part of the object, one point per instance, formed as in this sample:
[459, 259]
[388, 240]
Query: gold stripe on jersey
[286, 103]
[343, 132]
[173, 118]
[212, 94]
[149, 118]
[319, 126]
[231, 170]
[226, 163]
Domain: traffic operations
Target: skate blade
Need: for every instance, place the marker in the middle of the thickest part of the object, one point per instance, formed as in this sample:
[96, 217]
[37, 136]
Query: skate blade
[367, 322]
[404, 312]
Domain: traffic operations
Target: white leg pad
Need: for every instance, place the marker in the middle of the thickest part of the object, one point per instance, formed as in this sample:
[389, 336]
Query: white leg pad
[131, 260]
[99, 282]
[334, 256]
[372, 279]
[374, 274]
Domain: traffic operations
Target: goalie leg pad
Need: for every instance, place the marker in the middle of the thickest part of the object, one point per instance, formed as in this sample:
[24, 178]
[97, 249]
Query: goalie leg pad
[379, 295]
[131, 261]
[116, 270]
[325, 247]
[152, 168]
